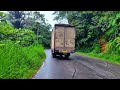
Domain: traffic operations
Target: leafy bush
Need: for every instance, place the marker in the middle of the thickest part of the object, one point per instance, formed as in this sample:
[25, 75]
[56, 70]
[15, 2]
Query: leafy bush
[96, 48]
[25, 37]
[17, 62]
[114, 46]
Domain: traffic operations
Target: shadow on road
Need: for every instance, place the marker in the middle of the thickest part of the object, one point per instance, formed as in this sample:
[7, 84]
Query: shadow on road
[62, 58]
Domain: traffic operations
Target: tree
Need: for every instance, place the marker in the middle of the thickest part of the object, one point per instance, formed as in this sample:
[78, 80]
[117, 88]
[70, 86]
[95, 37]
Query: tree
[17, 18]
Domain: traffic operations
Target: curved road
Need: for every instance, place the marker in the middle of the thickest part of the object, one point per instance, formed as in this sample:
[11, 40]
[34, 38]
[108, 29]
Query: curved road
[76, 67]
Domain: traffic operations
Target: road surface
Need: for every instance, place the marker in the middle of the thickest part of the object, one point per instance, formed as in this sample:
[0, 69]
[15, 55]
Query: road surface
[76, 67]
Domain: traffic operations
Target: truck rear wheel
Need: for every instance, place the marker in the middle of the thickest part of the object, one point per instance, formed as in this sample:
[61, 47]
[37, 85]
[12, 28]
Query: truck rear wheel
[60, 55]
[53, 55]
[66, 56]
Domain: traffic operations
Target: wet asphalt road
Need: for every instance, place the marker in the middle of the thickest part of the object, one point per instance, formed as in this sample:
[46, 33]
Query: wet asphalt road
[76, 67]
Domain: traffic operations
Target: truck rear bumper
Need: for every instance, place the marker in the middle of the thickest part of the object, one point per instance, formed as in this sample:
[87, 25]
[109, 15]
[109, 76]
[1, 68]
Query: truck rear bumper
[64, 51]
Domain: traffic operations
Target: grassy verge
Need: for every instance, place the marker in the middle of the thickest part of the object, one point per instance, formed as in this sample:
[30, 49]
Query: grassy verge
[18, 62]
[101, 56]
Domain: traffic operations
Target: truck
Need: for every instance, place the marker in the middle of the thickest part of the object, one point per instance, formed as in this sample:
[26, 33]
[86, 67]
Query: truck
[63, 40]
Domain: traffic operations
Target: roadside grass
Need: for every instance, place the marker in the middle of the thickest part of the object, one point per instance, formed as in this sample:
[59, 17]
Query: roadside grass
[18, 62]
[102, 56]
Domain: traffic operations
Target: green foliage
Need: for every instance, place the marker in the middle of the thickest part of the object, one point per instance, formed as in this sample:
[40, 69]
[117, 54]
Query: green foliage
[35, 28]
[114, 46]
[102, 56]
[85, 50]
[17, 62]
[17, 18]
[96, 48]
[21, 48]
[3, 17]
[24, 36]
[39, 26]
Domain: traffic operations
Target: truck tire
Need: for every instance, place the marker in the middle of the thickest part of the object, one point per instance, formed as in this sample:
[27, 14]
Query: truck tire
[53, 55]
[66, 56]
[61, 56]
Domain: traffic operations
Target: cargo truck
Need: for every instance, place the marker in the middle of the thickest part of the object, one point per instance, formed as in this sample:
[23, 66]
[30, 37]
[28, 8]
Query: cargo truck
[62, 40]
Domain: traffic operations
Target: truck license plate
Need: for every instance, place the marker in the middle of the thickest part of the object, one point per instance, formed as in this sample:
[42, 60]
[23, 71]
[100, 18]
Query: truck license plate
[64, 51]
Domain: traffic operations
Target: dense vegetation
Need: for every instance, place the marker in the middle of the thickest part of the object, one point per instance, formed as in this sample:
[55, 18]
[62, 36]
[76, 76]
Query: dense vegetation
[17, 62]
[97, 32]
[23, 37]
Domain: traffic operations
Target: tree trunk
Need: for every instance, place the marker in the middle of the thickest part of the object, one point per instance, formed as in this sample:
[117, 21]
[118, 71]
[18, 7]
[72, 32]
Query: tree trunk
[37, 35]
